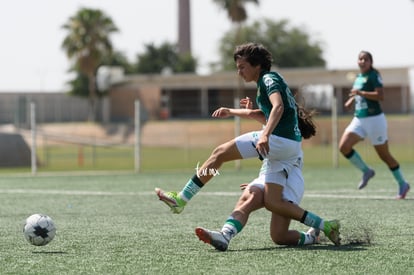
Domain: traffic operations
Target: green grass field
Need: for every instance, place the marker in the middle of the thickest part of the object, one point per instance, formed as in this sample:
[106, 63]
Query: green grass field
[114, 224]
[166, 159]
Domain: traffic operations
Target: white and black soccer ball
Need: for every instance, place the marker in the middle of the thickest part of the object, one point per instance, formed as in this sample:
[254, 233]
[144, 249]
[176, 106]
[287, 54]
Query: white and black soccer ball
[39, 229]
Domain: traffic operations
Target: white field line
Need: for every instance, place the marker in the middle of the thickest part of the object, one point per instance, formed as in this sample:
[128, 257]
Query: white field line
[346, 194]
[68, 192]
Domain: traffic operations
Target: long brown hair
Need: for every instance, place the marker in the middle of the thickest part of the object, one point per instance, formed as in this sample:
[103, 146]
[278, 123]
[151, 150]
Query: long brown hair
[305, 118]
[255, 54]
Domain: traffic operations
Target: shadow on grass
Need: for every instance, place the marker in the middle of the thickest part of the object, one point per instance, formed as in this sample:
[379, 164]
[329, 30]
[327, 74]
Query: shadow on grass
[343, 247]
[49, 252]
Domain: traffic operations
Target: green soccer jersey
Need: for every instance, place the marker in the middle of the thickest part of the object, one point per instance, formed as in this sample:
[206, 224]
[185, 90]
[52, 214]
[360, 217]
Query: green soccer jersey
[367, 82]
[272, 82]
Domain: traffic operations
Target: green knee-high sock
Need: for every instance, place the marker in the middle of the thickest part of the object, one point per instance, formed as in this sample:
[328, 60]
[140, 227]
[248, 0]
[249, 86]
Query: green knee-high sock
[357, 161]
[312, 220]
[231, 228]
[396, 172]
[191, 188]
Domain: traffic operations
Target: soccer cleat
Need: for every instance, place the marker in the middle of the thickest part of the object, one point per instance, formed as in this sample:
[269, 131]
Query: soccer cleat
[365, 178]
[213, 238]
[314, 234]
[331, 230]
[172, 199]
[403, 192]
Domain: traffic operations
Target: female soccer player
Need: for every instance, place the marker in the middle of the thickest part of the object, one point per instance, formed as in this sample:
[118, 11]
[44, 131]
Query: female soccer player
[278, 143]
[252, 199]
[369, 121]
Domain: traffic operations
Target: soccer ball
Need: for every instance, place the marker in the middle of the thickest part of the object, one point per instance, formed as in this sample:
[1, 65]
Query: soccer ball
[39, 229]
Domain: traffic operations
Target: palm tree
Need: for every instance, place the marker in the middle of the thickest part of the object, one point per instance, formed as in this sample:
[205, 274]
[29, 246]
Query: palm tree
[236, 10]
[87, 43]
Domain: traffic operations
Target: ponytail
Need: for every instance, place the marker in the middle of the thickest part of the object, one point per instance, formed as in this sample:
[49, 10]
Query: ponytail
[306, 125]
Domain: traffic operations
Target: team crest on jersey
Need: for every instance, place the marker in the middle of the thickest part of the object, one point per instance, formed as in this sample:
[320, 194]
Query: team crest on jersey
[267, 80]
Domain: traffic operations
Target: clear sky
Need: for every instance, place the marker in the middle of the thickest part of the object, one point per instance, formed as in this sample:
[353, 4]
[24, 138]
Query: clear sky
[31, 34]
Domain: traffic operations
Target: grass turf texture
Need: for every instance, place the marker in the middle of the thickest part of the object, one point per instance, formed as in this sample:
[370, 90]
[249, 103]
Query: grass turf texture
[114, 224]
[155, 159]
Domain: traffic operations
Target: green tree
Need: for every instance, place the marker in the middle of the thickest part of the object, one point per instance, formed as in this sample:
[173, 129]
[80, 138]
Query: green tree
[237, 13]
[119, 59]
[87, 42]
[290, 46]
[165, 57]
[80, 83]
[236, 9]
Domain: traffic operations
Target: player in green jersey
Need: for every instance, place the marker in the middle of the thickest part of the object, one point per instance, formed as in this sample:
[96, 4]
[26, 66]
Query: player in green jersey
[278, 143]
[369, 122]
[252, 199]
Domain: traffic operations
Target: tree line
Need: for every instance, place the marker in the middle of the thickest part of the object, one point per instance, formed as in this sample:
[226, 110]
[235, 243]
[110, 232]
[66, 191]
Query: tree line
[88, 44]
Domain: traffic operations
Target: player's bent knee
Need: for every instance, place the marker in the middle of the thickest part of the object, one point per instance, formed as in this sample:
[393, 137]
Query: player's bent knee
[278, 239]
